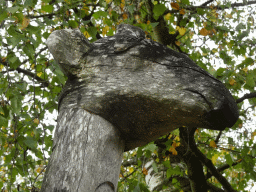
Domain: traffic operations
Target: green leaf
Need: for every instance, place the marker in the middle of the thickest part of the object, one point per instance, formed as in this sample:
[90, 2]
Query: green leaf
[169, 173]
[28, 3]
[250, 80]
[185, 2]
[200, 11]
[151, 147]
[3, 15]
[154, 24]
[47, 8]
[29, 50]
[48, 141]
[16, 103]
[92, 31]
[3, 121]
[248, 61]
[243, 35]
[30, 142]
[220, 71]
[159, 9]
[73, 24]
[13, 9]
[154, 166]
[13, 61]
[139, 152]
[99, 14]
[240, 26]
[229, 159]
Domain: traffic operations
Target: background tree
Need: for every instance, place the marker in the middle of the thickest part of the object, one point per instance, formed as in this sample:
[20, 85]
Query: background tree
[209, 32]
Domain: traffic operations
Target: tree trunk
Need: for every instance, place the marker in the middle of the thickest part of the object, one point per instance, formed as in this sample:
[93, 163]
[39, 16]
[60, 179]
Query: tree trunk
[140, 89]
[87, 154]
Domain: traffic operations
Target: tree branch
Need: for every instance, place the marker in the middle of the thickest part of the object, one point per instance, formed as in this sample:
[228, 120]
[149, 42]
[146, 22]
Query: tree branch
[218, 137]
[246, 96]
[195, 168]
[28, 73]
[222, 168]
[219, 7]
[208, 163]
[39, 16]
[207, 2]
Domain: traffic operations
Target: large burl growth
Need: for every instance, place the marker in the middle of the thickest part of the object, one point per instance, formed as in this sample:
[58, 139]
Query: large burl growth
[141, 87]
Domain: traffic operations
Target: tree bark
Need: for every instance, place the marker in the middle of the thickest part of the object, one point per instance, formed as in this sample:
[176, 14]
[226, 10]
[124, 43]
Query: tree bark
[142, 89]
[87, 154]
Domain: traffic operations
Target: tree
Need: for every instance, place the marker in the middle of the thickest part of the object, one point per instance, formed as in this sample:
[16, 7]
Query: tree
[30, 82]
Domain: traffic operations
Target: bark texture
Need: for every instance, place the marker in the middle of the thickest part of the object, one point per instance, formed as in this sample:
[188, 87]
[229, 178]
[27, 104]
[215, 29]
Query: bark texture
[140, 86]
[87, 154]
[122, 92]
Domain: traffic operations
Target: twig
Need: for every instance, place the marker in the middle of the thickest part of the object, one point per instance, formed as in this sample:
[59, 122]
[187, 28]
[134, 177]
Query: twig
[246, 96]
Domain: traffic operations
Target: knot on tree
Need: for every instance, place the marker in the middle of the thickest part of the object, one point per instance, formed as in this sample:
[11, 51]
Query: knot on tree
[142, 87]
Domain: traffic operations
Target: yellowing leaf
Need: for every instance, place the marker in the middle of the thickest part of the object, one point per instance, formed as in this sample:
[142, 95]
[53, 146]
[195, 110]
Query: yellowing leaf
[253, 135]
[38, 170]
[214, 158]
[203, 32]
[1, 67]
[36, 121]
[105, 30]
[177, 43]
[232, 81]
[125, 16]
[182, 12]
[145, 171]
[177, 138]
[5, 145]
[25, 23]
[131, 169]
[214, 50]
[175, 6]
[122, 5]
[86, 34]
[245, 69]
[168, 16]
[213, 144]
[108, 1]
[182, 30]
[39, 74]
[173, 150]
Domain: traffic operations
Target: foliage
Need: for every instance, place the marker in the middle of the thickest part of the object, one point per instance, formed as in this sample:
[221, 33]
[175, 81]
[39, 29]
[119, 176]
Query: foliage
[210, 32]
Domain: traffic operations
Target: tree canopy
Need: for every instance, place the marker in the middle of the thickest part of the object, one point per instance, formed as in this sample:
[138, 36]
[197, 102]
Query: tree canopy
[217, 35]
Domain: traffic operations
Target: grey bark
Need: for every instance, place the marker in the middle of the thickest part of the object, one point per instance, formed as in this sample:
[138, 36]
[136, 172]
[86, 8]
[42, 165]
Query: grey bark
[87, 153]
[142, 88]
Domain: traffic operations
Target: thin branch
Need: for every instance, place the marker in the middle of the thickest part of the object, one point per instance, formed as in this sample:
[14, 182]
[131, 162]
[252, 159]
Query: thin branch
[223, 167]
[39, 16]
[207, 2]
[220, 7]
[218, 137]
[208, 163]
[246, 96]
[28, 73]
[213, 188]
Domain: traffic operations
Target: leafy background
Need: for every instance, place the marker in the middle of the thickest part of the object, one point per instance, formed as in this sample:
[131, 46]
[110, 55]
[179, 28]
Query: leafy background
[218, 35]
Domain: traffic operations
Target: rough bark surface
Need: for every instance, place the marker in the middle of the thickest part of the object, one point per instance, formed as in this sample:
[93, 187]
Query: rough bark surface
[87, 154]
[141, 87]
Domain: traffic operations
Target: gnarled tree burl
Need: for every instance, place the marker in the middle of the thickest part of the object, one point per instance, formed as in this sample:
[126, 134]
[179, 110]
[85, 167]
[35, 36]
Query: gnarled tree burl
[122, 92]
